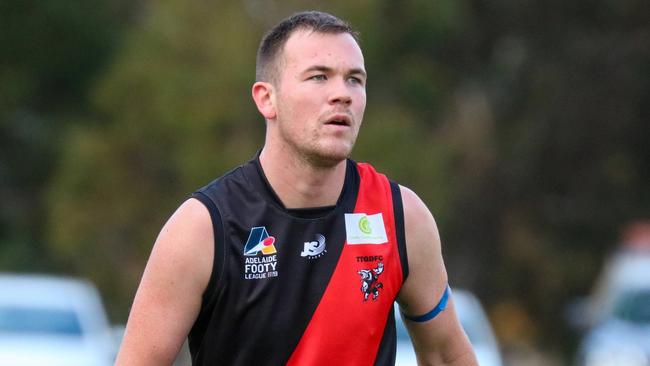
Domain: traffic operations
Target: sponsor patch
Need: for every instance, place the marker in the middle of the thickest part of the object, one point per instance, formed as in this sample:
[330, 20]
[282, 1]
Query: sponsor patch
[361, 228]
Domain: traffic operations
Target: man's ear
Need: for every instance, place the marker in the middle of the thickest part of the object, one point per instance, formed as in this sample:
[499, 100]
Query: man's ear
[264, 97]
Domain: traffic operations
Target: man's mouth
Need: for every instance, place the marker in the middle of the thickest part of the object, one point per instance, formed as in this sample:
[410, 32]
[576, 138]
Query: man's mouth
[339, 120]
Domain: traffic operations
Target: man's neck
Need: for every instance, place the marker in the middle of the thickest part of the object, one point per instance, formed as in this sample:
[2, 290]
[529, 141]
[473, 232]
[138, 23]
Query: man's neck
[299, 184]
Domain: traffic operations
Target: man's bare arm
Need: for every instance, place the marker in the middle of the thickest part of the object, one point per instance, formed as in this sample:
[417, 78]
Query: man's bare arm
[441, 340]
[168, 299]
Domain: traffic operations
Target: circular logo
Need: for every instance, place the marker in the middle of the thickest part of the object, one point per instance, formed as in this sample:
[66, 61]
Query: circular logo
[364, 225]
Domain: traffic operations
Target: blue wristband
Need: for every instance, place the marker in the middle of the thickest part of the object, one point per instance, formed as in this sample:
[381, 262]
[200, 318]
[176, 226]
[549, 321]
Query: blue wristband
[435, 311]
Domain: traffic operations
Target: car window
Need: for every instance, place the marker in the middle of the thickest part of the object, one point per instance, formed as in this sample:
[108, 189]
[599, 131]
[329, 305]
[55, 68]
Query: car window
[15, 319]
[634, 306]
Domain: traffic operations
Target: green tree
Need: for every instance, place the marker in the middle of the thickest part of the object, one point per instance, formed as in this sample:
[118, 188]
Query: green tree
[50, 53]
[173, 112]
[521, 124]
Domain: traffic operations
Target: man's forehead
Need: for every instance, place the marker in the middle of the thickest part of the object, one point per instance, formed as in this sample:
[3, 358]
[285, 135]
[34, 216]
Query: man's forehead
[304, 46]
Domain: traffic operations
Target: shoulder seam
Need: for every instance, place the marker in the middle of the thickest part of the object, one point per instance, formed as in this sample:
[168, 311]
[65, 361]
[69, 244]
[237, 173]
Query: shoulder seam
[400, 231]
[216, 277]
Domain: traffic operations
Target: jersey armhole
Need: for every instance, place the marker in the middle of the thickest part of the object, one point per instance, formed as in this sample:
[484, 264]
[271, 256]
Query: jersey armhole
[218, 263]
[398, 213]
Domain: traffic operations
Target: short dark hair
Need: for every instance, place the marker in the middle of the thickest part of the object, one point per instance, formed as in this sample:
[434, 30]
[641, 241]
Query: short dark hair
[275, 39]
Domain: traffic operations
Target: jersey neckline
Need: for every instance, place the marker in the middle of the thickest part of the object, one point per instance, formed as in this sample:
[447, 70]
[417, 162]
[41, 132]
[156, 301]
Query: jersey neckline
[255, 174]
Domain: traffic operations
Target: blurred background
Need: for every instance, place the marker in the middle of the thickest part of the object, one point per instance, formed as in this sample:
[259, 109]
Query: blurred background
[524, 125]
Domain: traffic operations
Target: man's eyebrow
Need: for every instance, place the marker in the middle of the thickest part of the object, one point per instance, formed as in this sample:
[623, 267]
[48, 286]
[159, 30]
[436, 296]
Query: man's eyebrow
[318, 68]
[359, 71]
[327, 69]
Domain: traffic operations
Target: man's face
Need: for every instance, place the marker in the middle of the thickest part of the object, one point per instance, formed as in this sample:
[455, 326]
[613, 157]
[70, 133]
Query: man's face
[321, 95]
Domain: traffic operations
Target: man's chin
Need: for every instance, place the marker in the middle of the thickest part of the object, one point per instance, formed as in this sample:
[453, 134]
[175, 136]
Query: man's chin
[329, 158]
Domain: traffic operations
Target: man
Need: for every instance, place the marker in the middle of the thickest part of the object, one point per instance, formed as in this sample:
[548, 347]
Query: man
[297, 256]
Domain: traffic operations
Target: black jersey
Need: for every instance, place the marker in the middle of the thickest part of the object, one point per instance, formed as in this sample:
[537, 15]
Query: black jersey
[301, 287]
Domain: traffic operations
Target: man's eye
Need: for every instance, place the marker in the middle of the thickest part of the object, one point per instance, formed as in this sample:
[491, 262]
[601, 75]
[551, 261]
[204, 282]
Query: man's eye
[355, 80]
[318, 77]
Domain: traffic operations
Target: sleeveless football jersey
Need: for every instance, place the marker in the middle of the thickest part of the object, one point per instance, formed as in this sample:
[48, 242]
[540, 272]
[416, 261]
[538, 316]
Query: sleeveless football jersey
[304, 286]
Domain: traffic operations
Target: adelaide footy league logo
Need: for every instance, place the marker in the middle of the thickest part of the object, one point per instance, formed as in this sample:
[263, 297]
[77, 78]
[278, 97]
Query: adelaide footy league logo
[259, 241]
[256, 266]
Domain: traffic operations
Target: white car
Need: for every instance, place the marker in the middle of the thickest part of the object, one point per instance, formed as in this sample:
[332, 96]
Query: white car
[621, 334]
[474, 321]
[54, 321]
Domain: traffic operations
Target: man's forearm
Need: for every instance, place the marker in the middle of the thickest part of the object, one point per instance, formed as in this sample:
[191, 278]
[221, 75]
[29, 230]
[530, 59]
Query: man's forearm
[468, 358]
[458, 353]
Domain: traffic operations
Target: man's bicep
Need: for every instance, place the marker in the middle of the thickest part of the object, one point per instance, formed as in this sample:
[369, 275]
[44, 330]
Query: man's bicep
[169, 297]
[441, 340]
[427, 277]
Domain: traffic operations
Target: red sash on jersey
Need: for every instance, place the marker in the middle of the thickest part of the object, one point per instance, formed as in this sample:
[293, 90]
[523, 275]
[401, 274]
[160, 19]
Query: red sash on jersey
[345, 329]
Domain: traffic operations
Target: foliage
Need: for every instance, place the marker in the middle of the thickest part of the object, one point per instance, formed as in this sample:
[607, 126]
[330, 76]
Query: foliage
[521, 124]
[51, 51]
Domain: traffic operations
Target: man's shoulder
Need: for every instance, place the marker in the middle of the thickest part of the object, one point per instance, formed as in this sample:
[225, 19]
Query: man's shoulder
[235, 175]
[411, 199]
[366, 168]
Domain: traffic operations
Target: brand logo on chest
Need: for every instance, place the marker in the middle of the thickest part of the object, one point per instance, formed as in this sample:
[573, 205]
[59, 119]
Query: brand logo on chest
[314, 249]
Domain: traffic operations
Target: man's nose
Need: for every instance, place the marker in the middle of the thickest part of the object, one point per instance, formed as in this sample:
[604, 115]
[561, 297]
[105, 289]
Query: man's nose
[340, 93]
